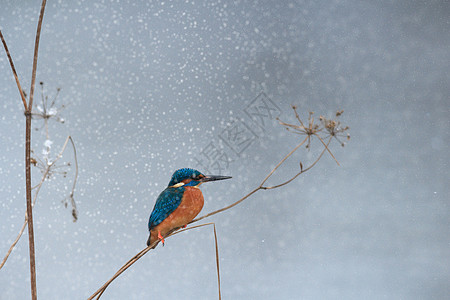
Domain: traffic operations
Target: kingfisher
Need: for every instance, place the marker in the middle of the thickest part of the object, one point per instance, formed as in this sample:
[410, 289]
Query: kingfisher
[178, 204]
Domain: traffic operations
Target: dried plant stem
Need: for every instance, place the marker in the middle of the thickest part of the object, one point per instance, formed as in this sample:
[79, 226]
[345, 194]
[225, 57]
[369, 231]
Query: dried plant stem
[24, 101]
[72, 201]
[261, 186]
[38, 188]
[326, 147]
[29, 206]
[35, 57]
[282, 161]
[24, 223]
[301, 169]
[135, 258]
[217, 260]
[14, 243]
[28, 107]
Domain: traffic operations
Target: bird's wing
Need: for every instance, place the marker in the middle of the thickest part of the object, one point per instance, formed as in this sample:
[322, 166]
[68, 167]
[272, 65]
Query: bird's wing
[166, 203]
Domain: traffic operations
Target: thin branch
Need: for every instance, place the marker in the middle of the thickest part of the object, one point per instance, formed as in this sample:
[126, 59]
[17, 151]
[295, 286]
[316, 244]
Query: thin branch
[14, 243]
[282, 161]
[14, 71]
[38, 188]
[253, 191]
[135, 258]
[29, 206]
[326, 148]
[72, 201]
[25, 222]
[296, 115]
[299, 173]
[217, 260]
[35, 57]
[227, 207]
[28, 110]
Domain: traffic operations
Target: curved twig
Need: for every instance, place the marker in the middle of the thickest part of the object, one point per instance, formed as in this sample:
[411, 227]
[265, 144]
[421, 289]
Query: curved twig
[22, 95]
[301, 170]
[35, 57]
[253, 191]
[135, 258]
[38, 188]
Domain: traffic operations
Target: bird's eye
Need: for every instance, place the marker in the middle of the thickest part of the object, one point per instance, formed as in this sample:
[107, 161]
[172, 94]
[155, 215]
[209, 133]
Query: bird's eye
[197, 178]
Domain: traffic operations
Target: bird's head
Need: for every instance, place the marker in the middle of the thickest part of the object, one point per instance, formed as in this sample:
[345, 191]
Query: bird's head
[191, 177]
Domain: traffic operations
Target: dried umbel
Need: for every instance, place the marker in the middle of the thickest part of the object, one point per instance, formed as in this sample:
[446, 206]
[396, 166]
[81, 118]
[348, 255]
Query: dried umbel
[335, 129]
[327, 129]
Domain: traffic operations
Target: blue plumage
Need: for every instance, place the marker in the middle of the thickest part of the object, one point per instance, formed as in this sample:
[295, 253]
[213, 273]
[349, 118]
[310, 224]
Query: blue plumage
[166, 204]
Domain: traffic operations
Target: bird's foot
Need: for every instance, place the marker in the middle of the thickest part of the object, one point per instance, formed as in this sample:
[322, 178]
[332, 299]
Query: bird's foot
[161, 237]
[184, 226]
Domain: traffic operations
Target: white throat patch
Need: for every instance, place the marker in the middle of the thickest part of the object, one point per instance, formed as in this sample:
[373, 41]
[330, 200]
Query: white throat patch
[178, 184]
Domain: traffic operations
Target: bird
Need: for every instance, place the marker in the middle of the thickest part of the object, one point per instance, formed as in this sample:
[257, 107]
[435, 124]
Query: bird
[178, 204]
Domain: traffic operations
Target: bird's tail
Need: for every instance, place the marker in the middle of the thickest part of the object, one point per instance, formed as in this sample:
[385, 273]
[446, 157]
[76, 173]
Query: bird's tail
[149, 241]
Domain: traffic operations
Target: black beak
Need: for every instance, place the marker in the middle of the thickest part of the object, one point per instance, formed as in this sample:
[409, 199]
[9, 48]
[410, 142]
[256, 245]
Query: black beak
[214, 178]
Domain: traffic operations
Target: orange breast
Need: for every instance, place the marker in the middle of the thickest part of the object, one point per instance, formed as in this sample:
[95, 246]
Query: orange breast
[190, 206]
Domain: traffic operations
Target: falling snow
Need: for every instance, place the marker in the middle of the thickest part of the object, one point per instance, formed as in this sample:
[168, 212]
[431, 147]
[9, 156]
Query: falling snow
[150, 87]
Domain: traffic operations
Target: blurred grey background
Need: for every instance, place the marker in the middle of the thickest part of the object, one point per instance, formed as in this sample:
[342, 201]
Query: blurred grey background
[154, 86]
